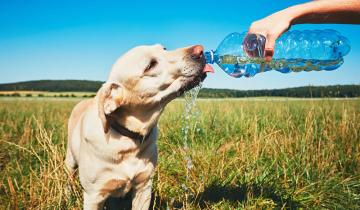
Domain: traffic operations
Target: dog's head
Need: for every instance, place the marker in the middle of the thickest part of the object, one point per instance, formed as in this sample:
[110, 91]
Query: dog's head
[146, 78]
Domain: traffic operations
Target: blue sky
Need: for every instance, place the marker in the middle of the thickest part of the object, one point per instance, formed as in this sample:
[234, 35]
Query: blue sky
[82, 39]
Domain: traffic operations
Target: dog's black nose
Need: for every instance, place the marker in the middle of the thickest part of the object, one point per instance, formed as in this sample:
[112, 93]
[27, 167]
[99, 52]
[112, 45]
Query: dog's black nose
[197, 52]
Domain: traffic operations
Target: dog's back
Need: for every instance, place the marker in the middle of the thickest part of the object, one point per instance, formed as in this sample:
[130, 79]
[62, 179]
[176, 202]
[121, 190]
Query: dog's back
[74, 119]
[76, 114]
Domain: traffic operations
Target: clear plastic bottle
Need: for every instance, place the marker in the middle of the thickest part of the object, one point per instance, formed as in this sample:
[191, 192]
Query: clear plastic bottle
[242, 54]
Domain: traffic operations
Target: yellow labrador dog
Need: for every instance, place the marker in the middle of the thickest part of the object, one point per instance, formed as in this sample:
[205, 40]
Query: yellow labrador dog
[112, 137]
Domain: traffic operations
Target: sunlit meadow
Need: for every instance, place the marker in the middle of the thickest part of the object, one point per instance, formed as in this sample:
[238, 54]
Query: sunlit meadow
[247, 154]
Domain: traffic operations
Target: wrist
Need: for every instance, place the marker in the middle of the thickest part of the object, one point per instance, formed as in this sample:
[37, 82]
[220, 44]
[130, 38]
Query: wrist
[294, 14]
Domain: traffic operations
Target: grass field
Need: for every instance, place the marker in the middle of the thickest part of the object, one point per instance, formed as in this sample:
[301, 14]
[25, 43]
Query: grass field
[247, 154]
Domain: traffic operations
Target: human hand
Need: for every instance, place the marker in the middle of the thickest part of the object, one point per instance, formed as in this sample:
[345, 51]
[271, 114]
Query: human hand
[271, 28]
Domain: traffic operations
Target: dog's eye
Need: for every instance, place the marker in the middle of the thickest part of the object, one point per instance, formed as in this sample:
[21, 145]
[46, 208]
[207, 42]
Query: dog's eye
[164, 48]
[151, 65]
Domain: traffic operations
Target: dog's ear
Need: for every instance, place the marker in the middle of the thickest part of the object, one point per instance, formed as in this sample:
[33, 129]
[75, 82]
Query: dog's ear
[109, 99]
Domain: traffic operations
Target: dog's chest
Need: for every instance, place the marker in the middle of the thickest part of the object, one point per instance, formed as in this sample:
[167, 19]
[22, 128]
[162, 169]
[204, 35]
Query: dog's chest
[131, 173]
[118, 164]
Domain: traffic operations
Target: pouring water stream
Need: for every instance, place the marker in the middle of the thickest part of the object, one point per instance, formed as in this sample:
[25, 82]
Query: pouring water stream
[190, 123]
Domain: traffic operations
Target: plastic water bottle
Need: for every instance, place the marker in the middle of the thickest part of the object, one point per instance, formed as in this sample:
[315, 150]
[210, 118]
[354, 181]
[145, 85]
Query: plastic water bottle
[242, 54]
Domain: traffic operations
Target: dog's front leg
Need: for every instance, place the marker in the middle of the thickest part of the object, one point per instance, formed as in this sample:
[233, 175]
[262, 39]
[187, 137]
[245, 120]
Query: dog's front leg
[142, 197]
[93, 201]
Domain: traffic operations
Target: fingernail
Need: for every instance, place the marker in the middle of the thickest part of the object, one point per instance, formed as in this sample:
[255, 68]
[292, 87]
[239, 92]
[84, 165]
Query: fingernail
[269, 53]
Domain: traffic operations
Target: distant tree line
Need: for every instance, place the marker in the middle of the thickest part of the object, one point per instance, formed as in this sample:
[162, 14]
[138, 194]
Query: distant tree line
[54, 86]
[16, 94]
[92, 86]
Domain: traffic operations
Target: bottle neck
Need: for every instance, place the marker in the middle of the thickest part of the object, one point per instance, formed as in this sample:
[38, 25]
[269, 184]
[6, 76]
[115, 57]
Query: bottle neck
[209, 57]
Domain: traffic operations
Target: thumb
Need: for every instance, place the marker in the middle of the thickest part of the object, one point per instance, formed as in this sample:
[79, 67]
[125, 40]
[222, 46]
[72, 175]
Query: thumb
[269, 47]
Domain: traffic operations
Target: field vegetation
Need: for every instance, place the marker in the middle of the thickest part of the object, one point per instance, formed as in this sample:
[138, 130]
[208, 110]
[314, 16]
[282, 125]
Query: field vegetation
[247, 154]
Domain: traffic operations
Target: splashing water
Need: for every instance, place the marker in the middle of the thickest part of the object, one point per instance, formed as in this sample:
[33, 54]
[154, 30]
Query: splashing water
[190, 123]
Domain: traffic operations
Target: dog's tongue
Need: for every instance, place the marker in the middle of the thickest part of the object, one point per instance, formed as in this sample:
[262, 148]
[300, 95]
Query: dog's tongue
[208, 68]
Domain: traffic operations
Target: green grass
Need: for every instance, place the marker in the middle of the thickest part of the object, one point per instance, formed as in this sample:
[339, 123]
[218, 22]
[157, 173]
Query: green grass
[247, 154]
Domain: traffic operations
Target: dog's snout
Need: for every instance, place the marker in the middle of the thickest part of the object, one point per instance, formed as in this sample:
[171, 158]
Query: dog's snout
[197, 52]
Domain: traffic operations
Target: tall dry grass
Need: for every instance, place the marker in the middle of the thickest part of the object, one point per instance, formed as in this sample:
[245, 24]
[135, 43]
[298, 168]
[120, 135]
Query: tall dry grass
[246, 154]
[33, 144]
